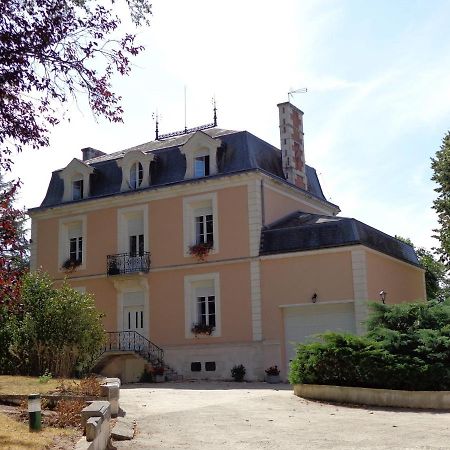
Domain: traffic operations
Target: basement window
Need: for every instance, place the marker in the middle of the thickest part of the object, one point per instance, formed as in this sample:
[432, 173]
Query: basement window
[210, 366]
[196, 366]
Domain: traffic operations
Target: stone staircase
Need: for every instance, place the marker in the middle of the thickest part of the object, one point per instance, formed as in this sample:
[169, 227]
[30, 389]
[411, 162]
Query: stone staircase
[121, 342]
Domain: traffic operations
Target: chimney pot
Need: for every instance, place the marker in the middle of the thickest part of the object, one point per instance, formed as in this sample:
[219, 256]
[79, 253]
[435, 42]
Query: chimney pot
[89, 153]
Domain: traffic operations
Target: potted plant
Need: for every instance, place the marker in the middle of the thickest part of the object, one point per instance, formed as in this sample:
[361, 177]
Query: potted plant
[69, 265]
[273, 375]
[202, 328]
[158, 373]
[238, 372]
[113, 268]
[201, 250]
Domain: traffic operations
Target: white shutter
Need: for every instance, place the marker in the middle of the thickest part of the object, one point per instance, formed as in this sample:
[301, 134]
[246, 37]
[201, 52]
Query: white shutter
[74, 230]
[135, 225]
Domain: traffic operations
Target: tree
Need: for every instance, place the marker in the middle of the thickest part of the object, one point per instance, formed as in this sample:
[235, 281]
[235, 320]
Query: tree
[59, 331]
[13, 248]
[54, 50]
[437, 283]
[441, 175]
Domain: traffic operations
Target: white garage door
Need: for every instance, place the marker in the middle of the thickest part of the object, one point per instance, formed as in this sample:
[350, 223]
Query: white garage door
[302, 322]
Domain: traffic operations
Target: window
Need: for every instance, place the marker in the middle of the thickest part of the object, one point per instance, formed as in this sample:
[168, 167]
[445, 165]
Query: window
[202, 305]
[201, 166]
[135, 320]
[137, 245]
[136, 175]
[196, 366]
[204, 229]
[206, 310]
[75, 237]
[76, 249]
[200, 222]
[72, 242]
[77, 190]
[210, 366]
[76, 177]
[201, 155]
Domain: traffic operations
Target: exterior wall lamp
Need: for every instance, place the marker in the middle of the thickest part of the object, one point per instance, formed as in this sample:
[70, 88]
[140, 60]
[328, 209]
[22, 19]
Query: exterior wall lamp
[314, 297]
[383, 296]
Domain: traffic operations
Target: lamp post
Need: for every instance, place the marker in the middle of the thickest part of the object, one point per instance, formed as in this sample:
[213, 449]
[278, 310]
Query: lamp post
[34, 412]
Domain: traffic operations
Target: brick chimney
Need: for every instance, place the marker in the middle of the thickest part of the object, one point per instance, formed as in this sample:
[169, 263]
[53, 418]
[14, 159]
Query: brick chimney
[89, 153]
[292, 147]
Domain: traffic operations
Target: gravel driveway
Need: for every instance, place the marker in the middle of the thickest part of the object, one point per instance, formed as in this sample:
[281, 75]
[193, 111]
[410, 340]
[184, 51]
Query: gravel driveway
[220, 415]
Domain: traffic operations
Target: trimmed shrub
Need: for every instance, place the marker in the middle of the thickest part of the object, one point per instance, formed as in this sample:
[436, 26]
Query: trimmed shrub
[59, 331]
[407, 347]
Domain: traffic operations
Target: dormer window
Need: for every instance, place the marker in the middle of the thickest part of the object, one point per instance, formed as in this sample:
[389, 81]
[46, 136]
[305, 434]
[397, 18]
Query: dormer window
[136, 175]
[201, 166]
[76, 177]
[201, 155]
[135, 170]
[77, 190]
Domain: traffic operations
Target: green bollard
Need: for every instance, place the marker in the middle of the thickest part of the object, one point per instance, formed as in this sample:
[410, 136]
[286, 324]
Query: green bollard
[34, 412]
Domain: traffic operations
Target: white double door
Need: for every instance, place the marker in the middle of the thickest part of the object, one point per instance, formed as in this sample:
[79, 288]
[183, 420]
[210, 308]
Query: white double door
[134, 319]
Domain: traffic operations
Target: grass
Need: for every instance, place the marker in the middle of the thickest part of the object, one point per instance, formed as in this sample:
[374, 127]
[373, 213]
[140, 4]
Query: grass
[15, 435]
[26, 385]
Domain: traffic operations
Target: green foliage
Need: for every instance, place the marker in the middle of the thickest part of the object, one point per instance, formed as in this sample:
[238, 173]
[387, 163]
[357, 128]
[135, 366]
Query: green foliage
[238, 372]
[45, 377]
[441, 175]
[407, 347]
[60, 329]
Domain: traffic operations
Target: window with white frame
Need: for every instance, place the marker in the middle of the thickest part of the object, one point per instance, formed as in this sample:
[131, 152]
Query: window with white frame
[202, 305]
[136, 175]
[72, 242]
[201, 166]
[135, 229]
[76, 177]
[77, 189]
[206, 310]
[75, 237]
[200, 222]
[135, 170]
[204, 229]
[201, 155]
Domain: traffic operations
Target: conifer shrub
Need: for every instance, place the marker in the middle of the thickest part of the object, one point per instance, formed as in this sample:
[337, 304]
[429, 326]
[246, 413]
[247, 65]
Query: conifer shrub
[407, 346]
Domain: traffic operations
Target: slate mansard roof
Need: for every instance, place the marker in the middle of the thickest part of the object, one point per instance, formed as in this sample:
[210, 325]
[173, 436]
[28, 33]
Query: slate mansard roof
[301, 231]
[240, 151]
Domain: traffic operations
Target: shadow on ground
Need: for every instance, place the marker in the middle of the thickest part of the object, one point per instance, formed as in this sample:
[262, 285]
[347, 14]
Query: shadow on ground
[202, 385]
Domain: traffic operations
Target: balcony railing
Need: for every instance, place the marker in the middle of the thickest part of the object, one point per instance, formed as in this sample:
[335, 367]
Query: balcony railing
[123, 263]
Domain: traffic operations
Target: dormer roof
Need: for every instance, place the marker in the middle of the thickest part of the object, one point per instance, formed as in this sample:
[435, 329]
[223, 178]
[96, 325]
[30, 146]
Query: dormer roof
[237, 151]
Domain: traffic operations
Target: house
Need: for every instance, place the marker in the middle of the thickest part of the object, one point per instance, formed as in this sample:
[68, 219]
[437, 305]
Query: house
[211, 248]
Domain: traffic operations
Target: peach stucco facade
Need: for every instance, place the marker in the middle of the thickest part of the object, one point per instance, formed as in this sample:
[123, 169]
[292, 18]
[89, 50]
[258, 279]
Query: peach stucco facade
[254, 289]
[261, 287]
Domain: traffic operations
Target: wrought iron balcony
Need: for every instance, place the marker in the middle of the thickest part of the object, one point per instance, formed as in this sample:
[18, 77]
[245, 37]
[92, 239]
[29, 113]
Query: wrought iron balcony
[124, 263]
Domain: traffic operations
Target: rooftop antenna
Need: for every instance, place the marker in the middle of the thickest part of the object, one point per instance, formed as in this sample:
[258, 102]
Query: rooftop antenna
[156, 117]
[185, 119]
[296, 91]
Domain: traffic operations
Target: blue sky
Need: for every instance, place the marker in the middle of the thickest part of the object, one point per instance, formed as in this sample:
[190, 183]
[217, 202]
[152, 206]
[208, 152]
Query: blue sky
[377, 107]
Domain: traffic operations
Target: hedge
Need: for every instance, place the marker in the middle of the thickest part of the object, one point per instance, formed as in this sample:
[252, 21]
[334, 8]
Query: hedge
[407, 347]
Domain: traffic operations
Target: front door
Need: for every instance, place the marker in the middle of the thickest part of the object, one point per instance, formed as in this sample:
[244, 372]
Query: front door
[133, 320]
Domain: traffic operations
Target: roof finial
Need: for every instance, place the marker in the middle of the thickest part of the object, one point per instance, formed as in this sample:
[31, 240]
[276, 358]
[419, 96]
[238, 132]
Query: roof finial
[155, 117]
[215, 111]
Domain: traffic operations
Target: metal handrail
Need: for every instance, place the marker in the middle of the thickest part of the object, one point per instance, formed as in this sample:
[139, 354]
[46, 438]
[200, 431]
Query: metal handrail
[122, 263]
[130, 340]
